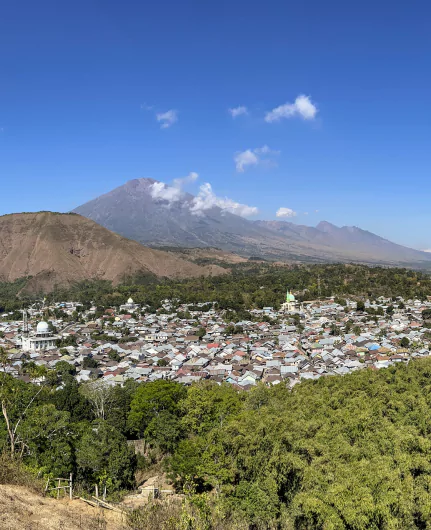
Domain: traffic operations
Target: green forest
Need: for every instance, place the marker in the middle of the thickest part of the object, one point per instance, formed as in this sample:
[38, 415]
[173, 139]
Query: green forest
[350, 452]
[247, 286]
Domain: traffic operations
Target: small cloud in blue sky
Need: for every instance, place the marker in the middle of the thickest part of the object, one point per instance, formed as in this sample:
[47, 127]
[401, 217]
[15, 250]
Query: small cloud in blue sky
[285, 212]
[302, 107]
[167, 119]
[180, 182]
[253, 157]
[238, 111]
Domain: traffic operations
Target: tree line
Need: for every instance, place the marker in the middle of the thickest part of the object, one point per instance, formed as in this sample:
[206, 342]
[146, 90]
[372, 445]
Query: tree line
[248, 286]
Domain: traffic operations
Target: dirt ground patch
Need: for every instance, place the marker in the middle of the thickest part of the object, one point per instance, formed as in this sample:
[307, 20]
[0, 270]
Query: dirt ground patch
[21, 509]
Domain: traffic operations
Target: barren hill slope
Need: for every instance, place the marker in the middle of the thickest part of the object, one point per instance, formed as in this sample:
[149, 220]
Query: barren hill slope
[209, 254]
[22, 509]
[58, 249]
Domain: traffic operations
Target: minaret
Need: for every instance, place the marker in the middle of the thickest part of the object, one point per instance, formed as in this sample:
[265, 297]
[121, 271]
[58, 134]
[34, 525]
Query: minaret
[25, 323]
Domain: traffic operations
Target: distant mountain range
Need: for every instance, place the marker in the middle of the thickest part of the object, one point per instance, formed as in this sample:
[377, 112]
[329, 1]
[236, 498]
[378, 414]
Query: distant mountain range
[139, 211]
[60, 249]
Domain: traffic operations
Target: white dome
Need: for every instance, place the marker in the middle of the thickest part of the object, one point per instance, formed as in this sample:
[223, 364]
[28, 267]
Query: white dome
[130, 301]
[42, 327]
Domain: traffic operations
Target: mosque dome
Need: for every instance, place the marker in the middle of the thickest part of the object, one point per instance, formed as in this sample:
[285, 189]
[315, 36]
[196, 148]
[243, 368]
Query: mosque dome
[130, 301]
[42, 327]
[290, 297]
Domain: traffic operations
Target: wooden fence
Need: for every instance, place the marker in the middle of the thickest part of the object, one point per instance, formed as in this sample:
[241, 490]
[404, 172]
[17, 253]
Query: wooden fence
[62, 484]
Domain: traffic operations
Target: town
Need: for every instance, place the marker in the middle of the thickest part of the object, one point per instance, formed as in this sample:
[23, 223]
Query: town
[306, 340]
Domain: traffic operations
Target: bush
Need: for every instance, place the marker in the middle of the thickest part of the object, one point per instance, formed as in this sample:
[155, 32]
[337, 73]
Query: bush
[155, 516]
[14, 473]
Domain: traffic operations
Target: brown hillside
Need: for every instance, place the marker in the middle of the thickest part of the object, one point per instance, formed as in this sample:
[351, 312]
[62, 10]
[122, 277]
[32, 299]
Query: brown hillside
[59, 249]
[21, 509]
[210, 254]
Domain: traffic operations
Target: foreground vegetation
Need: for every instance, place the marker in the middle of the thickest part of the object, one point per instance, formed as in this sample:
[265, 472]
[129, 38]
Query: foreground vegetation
[347, 452]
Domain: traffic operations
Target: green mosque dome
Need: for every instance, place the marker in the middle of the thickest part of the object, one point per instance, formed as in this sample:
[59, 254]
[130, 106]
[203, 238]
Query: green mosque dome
[290, 297]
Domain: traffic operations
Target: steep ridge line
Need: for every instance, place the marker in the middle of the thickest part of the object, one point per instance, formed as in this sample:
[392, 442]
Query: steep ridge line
[60, 249]
[135, 211]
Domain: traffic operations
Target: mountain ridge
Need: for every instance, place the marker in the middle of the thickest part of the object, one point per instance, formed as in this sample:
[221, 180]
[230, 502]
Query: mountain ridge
[351, 239]
[60, 249]
[135, 211]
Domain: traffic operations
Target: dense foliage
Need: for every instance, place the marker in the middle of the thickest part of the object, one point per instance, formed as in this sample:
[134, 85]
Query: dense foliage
[260, 285]
[249, 285]
[57, 430]
[348, 452]
[351, 452]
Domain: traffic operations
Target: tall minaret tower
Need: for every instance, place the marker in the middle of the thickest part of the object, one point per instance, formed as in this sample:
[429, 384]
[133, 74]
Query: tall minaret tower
[25, 323]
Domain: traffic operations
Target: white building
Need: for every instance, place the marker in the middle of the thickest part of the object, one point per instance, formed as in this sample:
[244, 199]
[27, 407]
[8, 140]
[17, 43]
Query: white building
[129, 305]
[40, 340]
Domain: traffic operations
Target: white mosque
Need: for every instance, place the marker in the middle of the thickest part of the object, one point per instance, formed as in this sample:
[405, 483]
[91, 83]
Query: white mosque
[129, 305]
[41, 339]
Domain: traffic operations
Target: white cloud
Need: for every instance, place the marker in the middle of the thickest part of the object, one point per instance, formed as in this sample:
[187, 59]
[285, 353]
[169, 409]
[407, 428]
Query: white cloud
[206, 199]
[303, 107]
[191, 177]
[285, 212]
[252, 157]
[167, 119]
[238, 111]
[162, 192]
[265, 150]
[244, 159]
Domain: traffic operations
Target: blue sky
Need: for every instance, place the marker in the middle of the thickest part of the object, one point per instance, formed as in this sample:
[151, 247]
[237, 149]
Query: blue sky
[82, 83]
